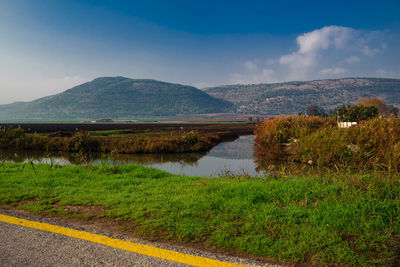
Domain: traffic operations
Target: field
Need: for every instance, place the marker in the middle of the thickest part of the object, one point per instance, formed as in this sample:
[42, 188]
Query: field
[120, 138]
[341, 218]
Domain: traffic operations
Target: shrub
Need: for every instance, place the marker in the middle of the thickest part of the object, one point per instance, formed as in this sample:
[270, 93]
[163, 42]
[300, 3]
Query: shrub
[357, 112]
[191, 137]
[271, 134]
[83, 143]
[11, 137]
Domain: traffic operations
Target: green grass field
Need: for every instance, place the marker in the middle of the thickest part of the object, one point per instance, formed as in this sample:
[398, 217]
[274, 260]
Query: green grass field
[343, 218]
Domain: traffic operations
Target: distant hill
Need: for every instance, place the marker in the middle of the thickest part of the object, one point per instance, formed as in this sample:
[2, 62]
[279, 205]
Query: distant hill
[117, 97]
[293, 97]
[124, 98]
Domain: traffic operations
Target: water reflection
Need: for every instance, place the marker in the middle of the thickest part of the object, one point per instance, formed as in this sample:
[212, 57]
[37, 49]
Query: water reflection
[234, 157]
[74, 158]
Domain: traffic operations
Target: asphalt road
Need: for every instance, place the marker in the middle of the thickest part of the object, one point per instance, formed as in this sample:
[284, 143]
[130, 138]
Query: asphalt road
[26, 240]
[21, 246]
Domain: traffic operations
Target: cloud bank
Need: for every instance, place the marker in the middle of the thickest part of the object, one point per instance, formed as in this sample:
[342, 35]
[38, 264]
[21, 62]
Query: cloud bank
[328, 52]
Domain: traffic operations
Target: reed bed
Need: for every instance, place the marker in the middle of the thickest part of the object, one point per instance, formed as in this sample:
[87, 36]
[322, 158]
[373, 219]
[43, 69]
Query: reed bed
[84, 142]
[319, 141]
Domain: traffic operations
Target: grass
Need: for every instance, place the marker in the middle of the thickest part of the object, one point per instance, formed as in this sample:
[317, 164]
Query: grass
[335, 218]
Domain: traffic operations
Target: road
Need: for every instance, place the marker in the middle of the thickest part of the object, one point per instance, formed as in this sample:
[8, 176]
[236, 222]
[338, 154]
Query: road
[21, 246]
[26, 246]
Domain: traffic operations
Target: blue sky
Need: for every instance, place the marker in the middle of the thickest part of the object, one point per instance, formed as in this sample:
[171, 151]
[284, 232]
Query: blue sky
[48, 46]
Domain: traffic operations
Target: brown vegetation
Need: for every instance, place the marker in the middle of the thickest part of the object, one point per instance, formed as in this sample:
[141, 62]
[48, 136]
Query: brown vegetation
[273, 135]
[127, 141]
[372, 144]
[384, 110]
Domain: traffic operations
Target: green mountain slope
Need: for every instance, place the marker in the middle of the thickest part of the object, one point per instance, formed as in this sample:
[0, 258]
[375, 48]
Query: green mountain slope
[293, 97]
[117, 97]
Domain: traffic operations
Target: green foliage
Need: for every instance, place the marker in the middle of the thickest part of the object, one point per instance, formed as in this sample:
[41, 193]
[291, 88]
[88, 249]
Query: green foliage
[11, 137]
[333, 219]
[357, 112]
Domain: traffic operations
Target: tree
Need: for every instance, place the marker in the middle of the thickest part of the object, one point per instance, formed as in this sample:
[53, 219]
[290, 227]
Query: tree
[356, 112]
[314, 110]
[376, 102]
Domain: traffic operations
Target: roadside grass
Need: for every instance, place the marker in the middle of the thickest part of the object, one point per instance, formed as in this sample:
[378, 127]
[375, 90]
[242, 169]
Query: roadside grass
[335, 218]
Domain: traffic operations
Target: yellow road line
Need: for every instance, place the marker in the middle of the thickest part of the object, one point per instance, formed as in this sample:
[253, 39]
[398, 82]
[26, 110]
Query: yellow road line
[117, 243]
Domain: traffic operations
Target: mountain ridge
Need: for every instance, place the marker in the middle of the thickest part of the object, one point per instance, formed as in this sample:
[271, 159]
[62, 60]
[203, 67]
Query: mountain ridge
[293, 97]
[117, 97]
[123, 98]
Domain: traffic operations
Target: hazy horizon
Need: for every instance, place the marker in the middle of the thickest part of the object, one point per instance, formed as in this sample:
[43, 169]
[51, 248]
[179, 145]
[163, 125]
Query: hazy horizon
[47, 47]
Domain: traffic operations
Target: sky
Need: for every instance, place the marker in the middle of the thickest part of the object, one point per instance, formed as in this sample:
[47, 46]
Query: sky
[49, 46]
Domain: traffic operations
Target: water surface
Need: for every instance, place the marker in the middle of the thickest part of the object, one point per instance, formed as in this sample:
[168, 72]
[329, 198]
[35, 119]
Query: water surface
[227, 158]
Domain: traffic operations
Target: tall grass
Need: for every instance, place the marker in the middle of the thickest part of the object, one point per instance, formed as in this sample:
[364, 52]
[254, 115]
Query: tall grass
[273, 133]
[371, 144]
[83, 142]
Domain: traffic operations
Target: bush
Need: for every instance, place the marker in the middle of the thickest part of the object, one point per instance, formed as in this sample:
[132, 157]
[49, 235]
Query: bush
[357, 112]
[83, 143]
[11, 137]
[271, 134]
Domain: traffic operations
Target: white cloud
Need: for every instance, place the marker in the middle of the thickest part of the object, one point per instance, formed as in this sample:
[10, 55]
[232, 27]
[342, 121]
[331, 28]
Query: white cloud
[296, 60]
[310, 45]
[370, 51]
[270, 61]
[323, 38]
[332, 71]
[352, 59]
[329, 52]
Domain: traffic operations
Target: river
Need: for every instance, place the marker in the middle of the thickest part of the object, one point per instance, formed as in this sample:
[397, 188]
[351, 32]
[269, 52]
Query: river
[227, 158]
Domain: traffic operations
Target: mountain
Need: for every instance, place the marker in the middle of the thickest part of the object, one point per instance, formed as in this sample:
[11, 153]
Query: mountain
[124, 98]
[117, 97]
[294, 97]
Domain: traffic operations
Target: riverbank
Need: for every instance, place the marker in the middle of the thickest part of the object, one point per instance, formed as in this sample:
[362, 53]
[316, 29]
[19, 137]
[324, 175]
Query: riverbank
[120, 138]
[337, 218]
